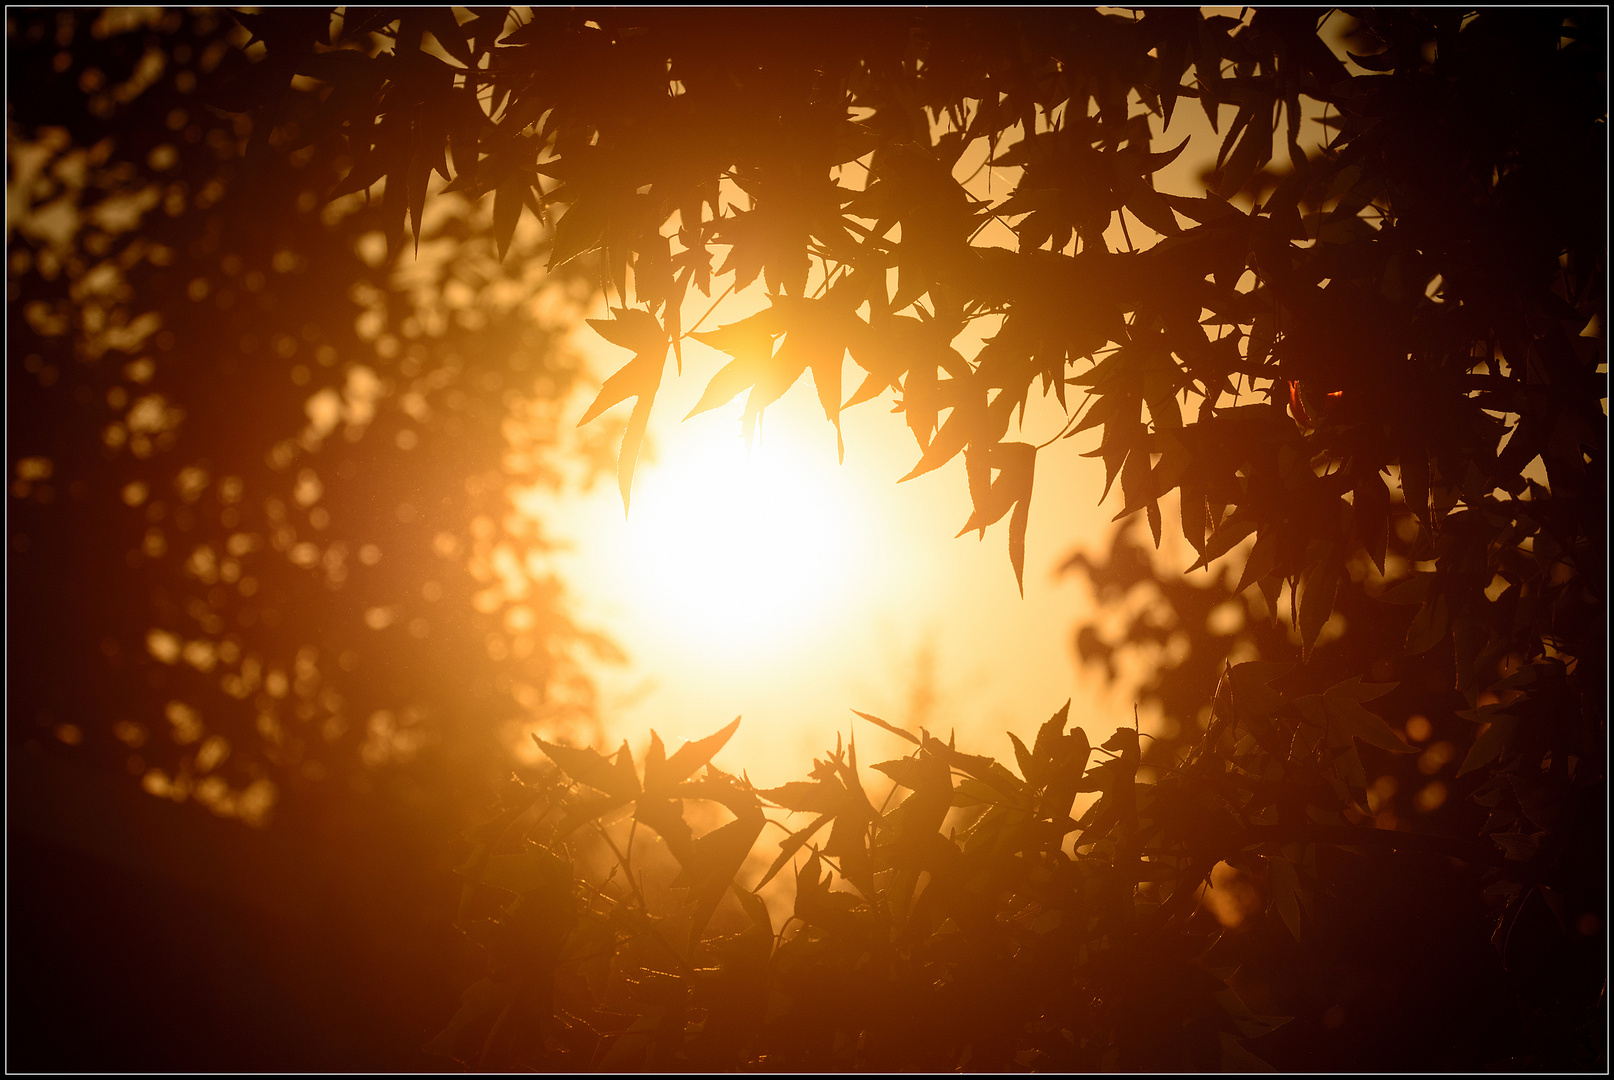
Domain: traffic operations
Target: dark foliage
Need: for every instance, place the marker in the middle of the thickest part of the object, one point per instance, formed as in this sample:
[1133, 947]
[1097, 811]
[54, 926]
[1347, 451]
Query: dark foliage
[1421, 300]
[1351, 357]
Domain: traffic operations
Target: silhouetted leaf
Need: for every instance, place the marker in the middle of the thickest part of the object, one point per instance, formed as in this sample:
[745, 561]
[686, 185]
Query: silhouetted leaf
[821, 796]
[508, 200]
[1317, 589]
[594, 769]
[755, 909]
[1342, 705]
[1429, 626]
[1493, 738]
[877, 722]
[639, 378]
[687, 760]
[792, 844]
[709, 868]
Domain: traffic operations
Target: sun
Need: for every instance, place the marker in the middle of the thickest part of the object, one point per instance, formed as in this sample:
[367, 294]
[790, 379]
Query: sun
[734, 548]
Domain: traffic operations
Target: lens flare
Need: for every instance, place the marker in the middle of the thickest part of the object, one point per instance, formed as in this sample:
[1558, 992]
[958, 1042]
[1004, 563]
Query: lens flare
[736, 548]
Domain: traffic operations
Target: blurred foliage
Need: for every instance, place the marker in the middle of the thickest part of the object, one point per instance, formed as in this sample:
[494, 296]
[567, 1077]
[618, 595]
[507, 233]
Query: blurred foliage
[1377, 367]
[266, 472]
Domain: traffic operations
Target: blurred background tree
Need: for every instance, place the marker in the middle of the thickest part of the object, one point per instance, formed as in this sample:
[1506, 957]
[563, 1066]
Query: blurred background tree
[264, 556]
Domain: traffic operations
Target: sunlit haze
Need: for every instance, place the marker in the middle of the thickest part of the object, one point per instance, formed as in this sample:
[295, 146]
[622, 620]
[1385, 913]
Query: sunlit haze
[780, 585]
[735, 550]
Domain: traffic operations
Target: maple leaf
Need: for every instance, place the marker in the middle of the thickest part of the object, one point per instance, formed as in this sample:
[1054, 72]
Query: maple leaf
[1494, 737]
[1015, 463]
[751, 342]
[1340, 709]
[1318, 587]
[1247, 693]
[712, 861]
[814, 334]
[792, 844]
[662, 772]
[590, 767]
[639, 378]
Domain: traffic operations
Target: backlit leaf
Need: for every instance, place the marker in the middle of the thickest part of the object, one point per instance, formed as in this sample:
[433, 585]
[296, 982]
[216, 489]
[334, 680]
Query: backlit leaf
[688, 759]
[591, 767]
[639, 378]
[792, 844]
[877, 722]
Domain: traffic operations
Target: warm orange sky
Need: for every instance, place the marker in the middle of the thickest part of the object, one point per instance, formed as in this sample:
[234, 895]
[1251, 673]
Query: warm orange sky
[788, 589]
[866, 599]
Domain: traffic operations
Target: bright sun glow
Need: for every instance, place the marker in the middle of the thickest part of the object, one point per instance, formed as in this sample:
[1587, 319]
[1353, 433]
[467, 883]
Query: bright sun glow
[782, 586]
[734, 549]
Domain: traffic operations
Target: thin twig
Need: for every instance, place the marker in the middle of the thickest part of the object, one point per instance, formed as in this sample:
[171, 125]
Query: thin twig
[632, 885]
[1069, 423]
[829, 275]
[709, 310]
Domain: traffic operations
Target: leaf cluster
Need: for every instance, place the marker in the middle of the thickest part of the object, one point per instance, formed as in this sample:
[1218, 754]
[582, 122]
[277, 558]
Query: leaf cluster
[1047, 915]
[1379, 361]
[1384, 270]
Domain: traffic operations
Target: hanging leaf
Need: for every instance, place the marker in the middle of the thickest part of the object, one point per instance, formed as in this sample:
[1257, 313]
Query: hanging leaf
[1016, 465]
[1262, 562]
[1429, 626]
[639, 378]
[1317, 589]
[579, 231]
[1227, 535]
[508, 200]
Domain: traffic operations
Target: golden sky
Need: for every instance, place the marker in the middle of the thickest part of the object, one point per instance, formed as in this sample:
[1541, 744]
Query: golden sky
[785, 588]
[788, 589]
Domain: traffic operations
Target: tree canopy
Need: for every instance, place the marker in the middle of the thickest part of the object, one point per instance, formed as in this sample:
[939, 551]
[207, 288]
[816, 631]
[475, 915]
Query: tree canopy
[254, 457]
[1375, 367]
[1455, 217]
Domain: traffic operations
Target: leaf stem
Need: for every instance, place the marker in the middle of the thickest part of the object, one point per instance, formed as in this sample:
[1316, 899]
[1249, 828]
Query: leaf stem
[709, 310]
[633, 886]
[638, 895]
